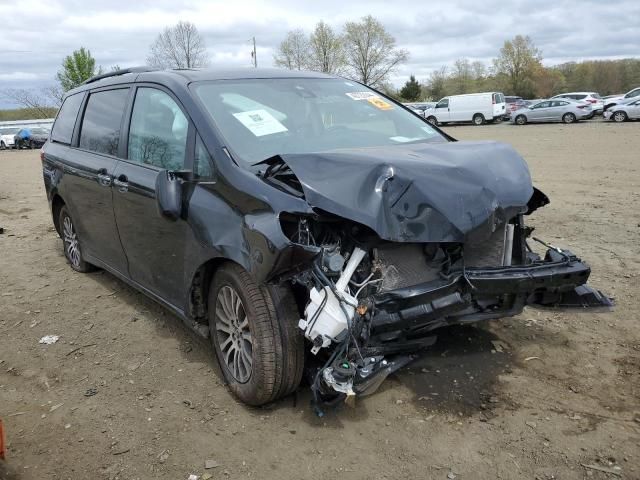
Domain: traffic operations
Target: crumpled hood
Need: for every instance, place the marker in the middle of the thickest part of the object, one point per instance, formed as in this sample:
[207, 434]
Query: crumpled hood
[446, 192]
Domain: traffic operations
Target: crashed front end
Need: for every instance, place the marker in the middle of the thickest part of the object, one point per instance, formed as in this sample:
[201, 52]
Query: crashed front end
[437, 237]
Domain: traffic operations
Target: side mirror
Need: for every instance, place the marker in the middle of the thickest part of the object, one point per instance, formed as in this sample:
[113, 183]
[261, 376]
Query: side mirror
[169, 193]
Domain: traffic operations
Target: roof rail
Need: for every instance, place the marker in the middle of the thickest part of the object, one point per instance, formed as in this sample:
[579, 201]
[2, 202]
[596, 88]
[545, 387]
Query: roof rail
[119, 72]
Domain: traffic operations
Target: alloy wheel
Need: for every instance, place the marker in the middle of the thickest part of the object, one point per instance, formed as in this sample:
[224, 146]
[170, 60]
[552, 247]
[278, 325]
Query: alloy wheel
[71, 245]
[233, 333]
[619, 116]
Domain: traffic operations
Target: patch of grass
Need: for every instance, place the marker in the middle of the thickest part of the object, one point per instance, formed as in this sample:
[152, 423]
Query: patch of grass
[27, 113]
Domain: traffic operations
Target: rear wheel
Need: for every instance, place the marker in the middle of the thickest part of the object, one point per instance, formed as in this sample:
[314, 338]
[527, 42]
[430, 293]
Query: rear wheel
[254, 332]
[478, 119]
[432, 120]
[619, 116]
[2, 146]
[568, 118]
[521, 120]
[71, 243]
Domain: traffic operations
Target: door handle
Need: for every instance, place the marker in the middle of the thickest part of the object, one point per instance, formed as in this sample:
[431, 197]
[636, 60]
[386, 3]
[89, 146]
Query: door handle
[104, 178]
[121, 183]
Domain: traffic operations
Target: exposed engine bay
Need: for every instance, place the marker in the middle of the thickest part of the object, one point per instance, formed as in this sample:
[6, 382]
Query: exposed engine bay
[372, 304]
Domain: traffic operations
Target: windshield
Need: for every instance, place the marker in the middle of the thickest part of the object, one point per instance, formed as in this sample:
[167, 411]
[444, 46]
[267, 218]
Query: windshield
[260, 118]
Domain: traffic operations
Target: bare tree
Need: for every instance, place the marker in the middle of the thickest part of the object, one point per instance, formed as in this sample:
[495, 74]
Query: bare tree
[326, 50]
[371, 51]
[42, 104]
[180, 46]
[293, 52]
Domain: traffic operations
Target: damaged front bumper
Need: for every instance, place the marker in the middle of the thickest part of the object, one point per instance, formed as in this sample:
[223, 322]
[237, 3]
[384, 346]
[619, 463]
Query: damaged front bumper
[484, 293]
[393, 325]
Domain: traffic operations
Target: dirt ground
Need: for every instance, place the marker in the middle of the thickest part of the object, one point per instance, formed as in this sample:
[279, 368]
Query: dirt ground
[129, 393]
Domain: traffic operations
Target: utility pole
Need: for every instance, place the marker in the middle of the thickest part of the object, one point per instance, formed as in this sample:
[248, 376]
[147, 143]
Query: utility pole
[254, 55]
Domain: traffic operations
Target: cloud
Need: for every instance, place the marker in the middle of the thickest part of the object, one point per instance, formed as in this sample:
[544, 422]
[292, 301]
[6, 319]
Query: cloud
[435, 33]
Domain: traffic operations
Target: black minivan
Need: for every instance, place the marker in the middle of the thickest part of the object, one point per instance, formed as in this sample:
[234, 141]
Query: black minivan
[297, 219]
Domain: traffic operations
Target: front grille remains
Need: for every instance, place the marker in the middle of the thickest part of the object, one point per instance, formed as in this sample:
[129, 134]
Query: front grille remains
[404, 265]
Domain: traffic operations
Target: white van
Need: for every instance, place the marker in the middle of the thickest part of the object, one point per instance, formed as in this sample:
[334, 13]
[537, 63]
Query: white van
[477, 108]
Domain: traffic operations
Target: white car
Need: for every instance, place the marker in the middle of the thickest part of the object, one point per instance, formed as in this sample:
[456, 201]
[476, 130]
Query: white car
[592, 98]
[477, 108]
[626, 98]
[6, 137]
[621, 113]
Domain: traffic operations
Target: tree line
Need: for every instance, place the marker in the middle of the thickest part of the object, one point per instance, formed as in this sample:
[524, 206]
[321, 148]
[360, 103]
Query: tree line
[518, 70]
[365, 51]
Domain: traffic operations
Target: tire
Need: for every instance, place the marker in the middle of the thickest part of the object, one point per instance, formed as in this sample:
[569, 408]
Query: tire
[478, 119]
[31, 145]
[521, 120]
[619, 116]
[2, 146]
[432, 120]
[568, 118]
[71, 243]
[260, 333]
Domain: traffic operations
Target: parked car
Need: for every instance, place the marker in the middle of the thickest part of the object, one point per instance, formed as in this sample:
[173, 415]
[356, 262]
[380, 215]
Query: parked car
[30, 137]
[277, 211]
[627, 97]
[566, 111]
[593, 98]
[417, 110]
[624, 112]
[477, 108]
[7, 137]
[512, 104]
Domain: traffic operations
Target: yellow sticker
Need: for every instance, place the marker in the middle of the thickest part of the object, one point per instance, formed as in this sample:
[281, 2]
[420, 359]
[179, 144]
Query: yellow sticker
[380, 103]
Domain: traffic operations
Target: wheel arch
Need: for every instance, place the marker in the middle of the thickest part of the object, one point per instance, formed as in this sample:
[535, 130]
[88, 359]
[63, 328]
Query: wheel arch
[57, 202]
[199, 287]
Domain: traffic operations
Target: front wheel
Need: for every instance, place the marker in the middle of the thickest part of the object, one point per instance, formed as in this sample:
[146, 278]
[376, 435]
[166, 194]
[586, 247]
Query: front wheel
[253, 329]
[71, 243]
[521, 120]
[619, 116]
[478, 119]
[432, 120]
[568, 118]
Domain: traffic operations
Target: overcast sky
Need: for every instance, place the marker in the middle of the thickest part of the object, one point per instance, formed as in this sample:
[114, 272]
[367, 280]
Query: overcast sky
[35, 35]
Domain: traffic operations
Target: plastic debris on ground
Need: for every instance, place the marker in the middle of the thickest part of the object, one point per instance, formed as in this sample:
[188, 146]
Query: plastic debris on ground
[49, 339]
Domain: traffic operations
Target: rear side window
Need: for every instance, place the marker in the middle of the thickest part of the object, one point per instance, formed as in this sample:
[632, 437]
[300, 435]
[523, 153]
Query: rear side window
[100, 130]
[63, 128]
[579, 97]
[158, 131]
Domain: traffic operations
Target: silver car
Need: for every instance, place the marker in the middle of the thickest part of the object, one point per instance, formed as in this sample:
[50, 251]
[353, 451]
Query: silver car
[622, 112]
[559, 110]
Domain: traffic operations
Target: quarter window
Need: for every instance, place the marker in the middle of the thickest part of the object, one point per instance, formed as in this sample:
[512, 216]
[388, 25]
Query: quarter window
[202, 163]
[102, 119]
[63, 128]
[158, 131]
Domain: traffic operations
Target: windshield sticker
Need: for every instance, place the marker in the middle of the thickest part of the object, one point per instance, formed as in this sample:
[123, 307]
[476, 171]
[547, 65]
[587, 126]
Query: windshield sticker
[260, 122]
[361, 95]
[380, 103]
